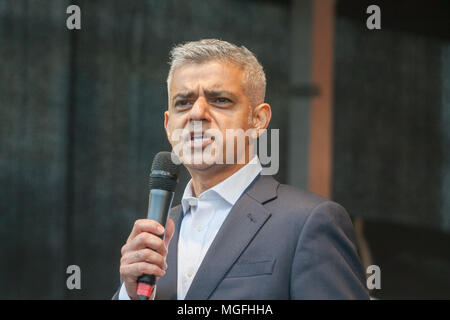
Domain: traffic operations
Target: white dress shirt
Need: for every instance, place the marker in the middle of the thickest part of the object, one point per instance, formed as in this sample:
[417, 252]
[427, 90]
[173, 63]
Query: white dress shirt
[203, 217]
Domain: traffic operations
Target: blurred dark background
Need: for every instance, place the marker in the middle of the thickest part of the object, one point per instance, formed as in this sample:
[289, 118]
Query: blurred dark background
[81, 120]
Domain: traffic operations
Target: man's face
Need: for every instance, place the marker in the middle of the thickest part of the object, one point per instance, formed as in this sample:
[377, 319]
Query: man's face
[202, 97]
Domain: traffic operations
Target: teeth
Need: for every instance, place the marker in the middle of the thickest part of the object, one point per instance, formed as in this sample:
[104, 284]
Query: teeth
[199, 137]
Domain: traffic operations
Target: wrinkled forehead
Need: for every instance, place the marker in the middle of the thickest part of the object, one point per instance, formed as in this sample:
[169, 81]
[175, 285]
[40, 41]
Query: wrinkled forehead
[210, 75]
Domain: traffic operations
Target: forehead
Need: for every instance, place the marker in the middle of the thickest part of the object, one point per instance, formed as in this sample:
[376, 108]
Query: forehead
[207, 75]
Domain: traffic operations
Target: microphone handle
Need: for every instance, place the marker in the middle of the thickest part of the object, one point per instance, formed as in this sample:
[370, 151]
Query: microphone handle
[159, 204]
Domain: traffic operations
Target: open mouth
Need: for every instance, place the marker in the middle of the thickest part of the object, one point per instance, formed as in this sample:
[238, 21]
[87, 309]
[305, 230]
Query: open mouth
[198, 140]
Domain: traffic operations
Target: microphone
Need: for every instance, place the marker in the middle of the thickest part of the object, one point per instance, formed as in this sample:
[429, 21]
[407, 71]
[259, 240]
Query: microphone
[163, 181]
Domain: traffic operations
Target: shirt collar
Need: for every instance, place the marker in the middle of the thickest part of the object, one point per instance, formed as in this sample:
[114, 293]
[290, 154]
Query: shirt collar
[229, 190]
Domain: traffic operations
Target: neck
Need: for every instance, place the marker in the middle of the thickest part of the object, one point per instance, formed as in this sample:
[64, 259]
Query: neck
[203, 180]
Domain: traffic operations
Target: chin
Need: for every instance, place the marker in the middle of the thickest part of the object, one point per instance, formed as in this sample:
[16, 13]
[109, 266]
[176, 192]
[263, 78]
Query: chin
[199, 167]
[200, 160]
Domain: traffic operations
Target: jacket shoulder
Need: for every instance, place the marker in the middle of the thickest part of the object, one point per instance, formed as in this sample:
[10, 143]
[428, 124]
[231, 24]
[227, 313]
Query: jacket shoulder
[290, 198]
[297, 205]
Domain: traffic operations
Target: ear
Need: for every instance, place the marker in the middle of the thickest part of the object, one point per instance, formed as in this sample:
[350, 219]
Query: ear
[261, 116]
[166, 122]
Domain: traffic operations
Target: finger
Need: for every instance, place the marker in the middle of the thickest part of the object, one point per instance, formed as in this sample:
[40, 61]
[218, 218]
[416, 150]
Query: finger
[145, 225]
[170, 228]
[146, 240]
[133, 271]
[144, 255]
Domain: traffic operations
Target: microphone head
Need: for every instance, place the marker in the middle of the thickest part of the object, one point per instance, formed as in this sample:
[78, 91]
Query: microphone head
[164, 173]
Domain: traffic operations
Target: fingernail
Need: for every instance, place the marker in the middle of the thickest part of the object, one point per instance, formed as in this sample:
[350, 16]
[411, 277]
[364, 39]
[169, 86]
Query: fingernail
[160, 229]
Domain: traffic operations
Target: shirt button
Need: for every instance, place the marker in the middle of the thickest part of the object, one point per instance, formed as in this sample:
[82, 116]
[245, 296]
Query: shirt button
[192, 202]
[190, 272]
[200, 228]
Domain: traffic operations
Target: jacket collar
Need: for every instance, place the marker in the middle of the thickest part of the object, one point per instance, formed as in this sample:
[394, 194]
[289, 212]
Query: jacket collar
[243, 222]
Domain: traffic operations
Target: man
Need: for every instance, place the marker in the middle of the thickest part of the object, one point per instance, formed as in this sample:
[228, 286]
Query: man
[239, 234]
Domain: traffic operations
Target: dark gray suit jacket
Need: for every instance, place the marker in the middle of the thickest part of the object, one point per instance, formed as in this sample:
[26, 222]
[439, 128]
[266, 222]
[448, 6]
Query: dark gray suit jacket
[277, 242]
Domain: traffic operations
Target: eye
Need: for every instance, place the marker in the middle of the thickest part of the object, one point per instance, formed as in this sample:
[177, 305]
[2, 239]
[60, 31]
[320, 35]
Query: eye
[221, 100]
[183, 103]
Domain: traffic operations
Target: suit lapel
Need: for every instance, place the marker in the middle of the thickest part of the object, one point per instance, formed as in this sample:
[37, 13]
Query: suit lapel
[243, 222]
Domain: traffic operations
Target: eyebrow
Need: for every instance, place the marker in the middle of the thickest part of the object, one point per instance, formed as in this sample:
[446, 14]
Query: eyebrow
[208, 93]
[220, 93]
[184, 95]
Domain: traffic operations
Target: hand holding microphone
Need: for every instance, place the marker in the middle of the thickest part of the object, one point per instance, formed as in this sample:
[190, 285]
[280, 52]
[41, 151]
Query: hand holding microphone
[144, 254]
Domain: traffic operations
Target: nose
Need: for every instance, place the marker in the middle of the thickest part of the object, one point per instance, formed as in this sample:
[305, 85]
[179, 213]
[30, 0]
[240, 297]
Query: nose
[199, 110]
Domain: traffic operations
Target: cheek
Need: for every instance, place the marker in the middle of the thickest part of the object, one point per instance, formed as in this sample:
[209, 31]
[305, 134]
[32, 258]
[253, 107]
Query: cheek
[176, 128]
[242, 121]
[171, 127]
[233, 123]
[234, 119]
[175, 122]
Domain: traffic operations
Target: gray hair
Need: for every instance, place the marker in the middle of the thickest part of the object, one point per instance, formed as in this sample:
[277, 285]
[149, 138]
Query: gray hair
[201, 51]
